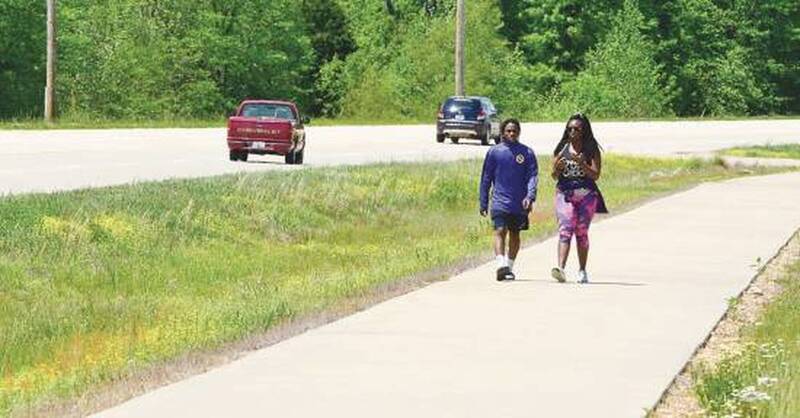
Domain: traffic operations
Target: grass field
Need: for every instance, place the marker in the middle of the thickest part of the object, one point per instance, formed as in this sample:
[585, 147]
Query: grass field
[766, 151]
[96, 284]
[764, 379]
[95, 123]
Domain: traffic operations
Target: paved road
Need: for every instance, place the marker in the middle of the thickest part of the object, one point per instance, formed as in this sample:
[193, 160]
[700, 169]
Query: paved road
[472, 347]
[32, 161]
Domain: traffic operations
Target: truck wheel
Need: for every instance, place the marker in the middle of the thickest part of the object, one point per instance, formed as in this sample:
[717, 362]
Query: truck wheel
[298, 158]
[289, 158]
[440, 138]
[242, 155]
[454, 139]
[487, 135]
[233, 155]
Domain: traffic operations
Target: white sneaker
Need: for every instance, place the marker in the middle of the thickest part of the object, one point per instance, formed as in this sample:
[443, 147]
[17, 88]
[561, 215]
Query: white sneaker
[558, 274]
[583, 277]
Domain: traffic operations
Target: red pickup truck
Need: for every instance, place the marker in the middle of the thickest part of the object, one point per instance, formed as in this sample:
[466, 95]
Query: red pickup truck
[267, 127]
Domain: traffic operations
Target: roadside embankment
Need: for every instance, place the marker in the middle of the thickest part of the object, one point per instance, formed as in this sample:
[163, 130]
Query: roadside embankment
[99, 285]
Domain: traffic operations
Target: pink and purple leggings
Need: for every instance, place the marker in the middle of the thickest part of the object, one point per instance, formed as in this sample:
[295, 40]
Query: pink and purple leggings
[575, 210]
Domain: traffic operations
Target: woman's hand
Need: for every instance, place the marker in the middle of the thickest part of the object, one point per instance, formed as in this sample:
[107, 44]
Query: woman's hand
[558, 166]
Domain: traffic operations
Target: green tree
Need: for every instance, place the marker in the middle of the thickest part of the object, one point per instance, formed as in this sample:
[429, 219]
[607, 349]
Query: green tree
[702, 33]
[560, 32]
[265, 54]
[331, 40]
[418, 75]
[374, 31]
[393, 58]
[328, 28]
[22, 54]
[730, 88]
[166, 58]
[732, 57]
[769, 31]
[622, 78]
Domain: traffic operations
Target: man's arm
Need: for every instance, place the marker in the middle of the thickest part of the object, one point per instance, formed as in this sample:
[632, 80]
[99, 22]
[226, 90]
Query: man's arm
[533, 182]
[487, 179]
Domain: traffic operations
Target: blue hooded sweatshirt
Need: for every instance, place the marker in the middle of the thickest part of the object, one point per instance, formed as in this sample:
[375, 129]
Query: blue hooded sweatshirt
[511, 171]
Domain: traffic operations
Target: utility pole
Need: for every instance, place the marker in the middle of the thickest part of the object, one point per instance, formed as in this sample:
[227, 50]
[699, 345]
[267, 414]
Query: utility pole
[49, 89]
[460, 22]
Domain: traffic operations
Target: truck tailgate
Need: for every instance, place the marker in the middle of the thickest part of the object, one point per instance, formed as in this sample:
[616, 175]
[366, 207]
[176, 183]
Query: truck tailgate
[275, 130]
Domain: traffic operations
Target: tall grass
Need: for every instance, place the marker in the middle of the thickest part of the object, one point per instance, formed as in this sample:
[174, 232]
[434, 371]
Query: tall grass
[762, 380]
[98, 283]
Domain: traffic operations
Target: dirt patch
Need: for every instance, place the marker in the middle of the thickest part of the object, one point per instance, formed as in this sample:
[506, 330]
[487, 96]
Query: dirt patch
[679, 400]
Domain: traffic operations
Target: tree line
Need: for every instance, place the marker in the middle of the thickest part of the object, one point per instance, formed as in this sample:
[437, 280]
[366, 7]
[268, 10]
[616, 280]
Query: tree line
[392, 60]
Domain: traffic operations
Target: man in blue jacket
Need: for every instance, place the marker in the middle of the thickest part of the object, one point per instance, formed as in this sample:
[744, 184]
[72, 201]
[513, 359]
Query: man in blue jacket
[511, 172]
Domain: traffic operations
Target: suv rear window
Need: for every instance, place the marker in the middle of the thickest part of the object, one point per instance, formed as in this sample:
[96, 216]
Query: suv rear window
[456, 105]
[267, 110]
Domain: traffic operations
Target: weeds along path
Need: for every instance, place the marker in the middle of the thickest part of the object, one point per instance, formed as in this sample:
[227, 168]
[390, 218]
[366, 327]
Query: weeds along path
[736, 355]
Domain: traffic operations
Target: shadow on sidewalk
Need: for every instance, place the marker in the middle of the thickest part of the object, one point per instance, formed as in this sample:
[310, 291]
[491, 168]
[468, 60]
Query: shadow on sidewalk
[551, 281]
[615, 284]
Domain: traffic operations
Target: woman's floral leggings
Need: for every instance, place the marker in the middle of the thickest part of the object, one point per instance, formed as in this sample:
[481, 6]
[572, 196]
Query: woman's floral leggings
[575, 210]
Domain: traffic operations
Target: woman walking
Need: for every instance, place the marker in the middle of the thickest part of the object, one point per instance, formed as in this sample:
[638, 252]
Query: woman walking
[576, 167]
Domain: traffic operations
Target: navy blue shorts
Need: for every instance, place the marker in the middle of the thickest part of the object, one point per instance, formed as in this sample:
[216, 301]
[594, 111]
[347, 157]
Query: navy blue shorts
[510, 221]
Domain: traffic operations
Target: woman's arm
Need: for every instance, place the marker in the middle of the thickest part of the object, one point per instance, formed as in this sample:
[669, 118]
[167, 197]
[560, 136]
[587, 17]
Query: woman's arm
[593, 167]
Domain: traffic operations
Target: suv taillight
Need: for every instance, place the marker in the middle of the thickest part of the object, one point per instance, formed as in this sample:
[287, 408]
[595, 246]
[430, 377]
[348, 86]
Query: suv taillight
[481, 115]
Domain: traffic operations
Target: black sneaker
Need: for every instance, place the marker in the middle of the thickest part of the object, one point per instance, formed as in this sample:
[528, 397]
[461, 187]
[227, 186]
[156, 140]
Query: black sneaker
[502, 273]
[510, 275]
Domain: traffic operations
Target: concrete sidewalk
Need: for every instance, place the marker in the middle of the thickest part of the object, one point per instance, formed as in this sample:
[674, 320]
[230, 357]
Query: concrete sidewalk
[471, 347]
